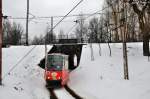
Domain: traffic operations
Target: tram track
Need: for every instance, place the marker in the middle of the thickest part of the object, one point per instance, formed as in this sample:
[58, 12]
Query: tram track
[71, 92]
[52, 93]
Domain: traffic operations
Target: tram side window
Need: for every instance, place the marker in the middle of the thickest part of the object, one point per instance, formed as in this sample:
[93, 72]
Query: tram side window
[66, 62]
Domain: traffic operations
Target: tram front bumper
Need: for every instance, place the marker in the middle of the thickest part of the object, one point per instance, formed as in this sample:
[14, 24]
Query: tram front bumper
[53, 83]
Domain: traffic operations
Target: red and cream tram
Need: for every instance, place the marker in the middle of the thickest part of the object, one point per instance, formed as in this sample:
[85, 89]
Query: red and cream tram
[56, 70]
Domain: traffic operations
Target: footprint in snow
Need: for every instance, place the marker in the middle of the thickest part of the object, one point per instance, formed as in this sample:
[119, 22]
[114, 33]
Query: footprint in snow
[101, 77]
[18, 88]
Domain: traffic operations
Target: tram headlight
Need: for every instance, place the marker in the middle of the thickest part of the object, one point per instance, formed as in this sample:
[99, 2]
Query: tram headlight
[59, 77]
[48, 77]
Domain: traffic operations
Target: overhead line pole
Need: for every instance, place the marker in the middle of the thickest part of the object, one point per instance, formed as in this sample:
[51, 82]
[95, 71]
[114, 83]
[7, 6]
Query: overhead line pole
[51, 29]
[27, 23]
[81, 26]
[1, 42]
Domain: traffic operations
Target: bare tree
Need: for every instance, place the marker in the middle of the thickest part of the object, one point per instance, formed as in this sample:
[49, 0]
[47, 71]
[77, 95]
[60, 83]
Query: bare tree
[6, 29]
[16, 34]
[12, 33]
[133, 33]
[82, 29]
[38, 40]
[61, 34]
[93, 27]
[49, 37]
[113, 17]
[142, 9]
[101, 29]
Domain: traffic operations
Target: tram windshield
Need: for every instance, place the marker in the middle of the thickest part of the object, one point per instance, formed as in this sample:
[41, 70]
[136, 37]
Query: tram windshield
[55, 62]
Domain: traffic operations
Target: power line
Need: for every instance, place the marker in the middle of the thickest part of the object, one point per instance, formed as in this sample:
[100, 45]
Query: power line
[100, 10]
[48, 17]
[73, 15]
[71, 28]
[67, 14]
[61, 16]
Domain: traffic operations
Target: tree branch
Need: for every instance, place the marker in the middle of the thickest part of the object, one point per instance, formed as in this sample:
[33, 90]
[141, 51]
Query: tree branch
[135, 7]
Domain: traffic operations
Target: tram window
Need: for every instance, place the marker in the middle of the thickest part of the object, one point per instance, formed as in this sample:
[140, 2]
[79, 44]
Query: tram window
[66, 62]
[55, 62]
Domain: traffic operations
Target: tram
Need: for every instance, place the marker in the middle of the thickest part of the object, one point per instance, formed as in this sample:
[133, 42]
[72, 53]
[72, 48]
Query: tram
[56, 70]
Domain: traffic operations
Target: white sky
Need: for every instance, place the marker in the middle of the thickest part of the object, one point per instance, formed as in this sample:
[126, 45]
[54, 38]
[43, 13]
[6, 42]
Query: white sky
[17, 8]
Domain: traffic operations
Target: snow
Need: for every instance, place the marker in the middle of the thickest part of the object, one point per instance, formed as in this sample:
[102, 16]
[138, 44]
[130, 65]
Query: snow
[26, 80]
[63, 94]
[101, 78]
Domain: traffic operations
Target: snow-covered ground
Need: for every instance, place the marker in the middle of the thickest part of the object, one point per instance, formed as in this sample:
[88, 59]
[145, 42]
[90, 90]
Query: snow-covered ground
[98, 79]
[103, 77]
[25, 81]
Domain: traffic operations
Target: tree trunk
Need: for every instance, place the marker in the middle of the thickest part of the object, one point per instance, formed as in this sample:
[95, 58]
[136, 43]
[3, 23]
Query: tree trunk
[146, 46]
[145, 31]
[144, 26]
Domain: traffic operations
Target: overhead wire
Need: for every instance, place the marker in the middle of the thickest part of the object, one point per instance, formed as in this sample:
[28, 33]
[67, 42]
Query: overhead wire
[48, 17]
[100, 11]
[71, 28]
[64, 18]
[67, 14]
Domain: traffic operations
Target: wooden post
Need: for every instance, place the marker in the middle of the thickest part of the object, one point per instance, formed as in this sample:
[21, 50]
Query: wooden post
[27, 22]
[45, 56]
[126, 75]
[92, 54]
[1, 42]
[52, 30]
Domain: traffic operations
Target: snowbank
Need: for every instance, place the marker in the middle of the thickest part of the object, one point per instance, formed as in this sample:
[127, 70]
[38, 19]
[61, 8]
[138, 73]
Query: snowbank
[103, 77]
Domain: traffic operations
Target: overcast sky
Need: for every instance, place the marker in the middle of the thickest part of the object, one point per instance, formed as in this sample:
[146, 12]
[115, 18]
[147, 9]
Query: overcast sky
[17, 8]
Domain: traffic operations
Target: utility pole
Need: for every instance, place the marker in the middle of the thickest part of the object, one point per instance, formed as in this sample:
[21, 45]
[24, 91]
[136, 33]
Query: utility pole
[81, 26]
[126, 74]
[52, 30]
[1, 42]
[27, 22]
[81, 29]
